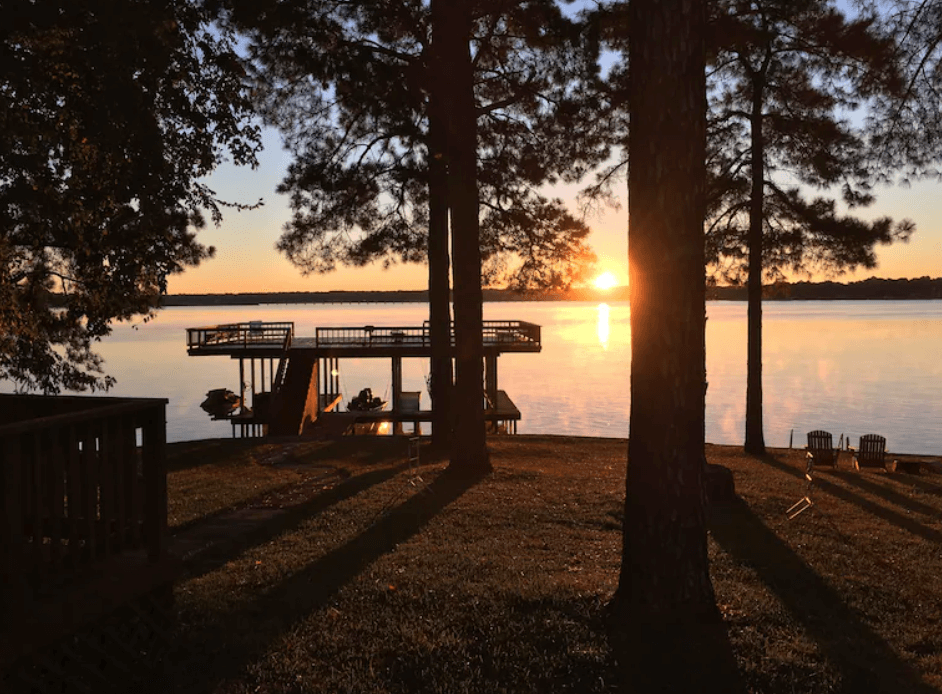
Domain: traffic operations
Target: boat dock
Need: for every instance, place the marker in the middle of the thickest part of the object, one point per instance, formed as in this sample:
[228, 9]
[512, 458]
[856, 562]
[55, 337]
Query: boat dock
[294, 381]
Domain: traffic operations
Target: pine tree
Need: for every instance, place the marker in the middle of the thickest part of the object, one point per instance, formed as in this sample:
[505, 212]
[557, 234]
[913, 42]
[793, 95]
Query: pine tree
[353, 90]
[667, 627]
[452, 28]
[787, 77]
[791, 86]
[352, 101]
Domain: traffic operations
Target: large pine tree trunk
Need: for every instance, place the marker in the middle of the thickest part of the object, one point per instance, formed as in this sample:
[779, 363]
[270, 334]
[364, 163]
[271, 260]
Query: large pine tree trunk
[755, 440]
[452, 22]
[664, 608]
[439, 284]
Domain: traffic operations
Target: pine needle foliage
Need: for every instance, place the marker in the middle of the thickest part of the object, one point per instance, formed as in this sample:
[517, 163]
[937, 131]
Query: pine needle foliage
[348, 84]
[790, 86]
[907, 127]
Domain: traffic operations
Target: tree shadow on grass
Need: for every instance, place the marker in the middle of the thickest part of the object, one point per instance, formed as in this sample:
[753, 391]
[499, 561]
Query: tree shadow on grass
[186, 455]
[898, 519]
[673, 653]
[865, 661]
[367, 450]
[866, 483]
[207, 658]
[363, 450]
[928, 484]
[514, 644]
[230, 538]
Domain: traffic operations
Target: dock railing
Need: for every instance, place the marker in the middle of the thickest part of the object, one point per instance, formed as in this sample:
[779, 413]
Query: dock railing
[511, 332]
[249, 334]
[82, 480]
[370, 335]
[496, 332]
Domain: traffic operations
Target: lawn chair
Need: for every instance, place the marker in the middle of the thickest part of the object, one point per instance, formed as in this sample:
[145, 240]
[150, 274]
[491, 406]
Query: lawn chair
[806, 501]
[871, 452]
[821, 448]
[409, 404]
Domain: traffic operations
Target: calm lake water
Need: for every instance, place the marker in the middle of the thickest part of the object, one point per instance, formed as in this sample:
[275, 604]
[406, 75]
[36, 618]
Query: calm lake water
[847, 367]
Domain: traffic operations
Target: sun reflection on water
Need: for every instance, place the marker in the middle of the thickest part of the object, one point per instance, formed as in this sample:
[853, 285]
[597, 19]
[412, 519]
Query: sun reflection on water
[602, 325]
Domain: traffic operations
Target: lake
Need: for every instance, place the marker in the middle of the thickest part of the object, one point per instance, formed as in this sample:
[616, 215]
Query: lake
[844, 366]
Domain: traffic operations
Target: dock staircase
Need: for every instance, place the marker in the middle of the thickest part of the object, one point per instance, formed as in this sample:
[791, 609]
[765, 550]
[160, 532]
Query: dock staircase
[294, 395]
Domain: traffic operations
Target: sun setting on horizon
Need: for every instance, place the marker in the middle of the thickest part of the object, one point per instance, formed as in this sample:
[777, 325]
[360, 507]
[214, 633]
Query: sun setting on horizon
[606, 280]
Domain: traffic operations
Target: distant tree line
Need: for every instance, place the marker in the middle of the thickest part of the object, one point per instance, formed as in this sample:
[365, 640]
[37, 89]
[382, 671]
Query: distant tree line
[871, 288]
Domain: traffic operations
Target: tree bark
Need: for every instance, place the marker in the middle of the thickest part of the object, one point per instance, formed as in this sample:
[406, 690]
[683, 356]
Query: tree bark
[755, 440]
[439, 261]
[452, 22]
[665, 614]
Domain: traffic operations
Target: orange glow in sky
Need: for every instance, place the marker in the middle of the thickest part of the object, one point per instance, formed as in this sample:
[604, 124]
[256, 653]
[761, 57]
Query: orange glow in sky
[247, 261]
[606, 280]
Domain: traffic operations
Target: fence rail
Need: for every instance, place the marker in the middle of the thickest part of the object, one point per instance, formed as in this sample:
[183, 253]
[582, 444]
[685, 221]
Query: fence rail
[82, 480]
[250, 334]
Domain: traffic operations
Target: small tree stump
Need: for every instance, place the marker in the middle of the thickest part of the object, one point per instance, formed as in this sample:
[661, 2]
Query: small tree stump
[911, 467]
[718, 484]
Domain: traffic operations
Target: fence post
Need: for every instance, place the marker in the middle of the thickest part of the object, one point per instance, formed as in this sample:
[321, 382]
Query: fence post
[155, 482]
[11, 522]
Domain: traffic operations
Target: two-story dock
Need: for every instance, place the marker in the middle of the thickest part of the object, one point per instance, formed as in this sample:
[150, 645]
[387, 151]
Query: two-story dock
[294, 381]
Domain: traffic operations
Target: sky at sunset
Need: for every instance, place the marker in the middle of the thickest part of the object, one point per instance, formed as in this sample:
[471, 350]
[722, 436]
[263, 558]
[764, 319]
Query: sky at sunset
[246, 259]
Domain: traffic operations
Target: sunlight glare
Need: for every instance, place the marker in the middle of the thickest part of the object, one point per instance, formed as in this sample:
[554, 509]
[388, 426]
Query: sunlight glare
[606, 280]
[603, 328]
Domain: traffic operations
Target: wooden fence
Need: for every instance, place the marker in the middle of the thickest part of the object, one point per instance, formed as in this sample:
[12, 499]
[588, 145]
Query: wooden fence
[82, 481]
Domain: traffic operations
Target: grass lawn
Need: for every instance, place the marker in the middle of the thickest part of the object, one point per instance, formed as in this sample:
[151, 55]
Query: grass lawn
[369, 580]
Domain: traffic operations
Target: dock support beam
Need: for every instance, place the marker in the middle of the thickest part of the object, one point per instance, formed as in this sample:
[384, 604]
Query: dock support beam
[490, 378]
[396, 382]
[397, 390]
[241, 384]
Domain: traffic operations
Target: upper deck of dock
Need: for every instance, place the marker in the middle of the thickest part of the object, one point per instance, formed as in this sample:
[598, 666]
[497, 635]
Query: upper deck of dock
[261, 339]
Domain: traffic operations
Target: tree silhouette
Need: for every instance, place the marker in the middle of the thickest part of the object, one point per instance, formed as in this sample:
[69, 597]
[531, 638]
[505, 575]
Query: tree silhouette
[667, 623]
[786, 75]
[353, 88]
[788, 83]
[110, 116]
[906, 127]
[451, 28]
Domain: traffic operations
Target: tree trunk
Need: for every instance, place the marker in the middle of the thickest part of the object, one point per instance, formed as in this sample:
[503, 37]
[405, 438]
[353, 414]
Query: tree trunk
[666, 618]
[453, 19]
[439, 284]
[755, 441]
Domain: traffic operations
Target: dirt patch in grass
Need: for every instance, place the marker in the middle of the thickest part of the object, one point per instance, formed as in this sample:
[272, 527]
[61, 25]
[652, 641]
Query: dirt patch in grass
[412, 582]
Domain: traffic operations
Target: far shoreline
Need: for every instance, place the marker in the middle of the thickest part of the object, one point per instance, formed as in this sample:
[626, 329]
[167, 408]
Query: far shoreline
[873, 289]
